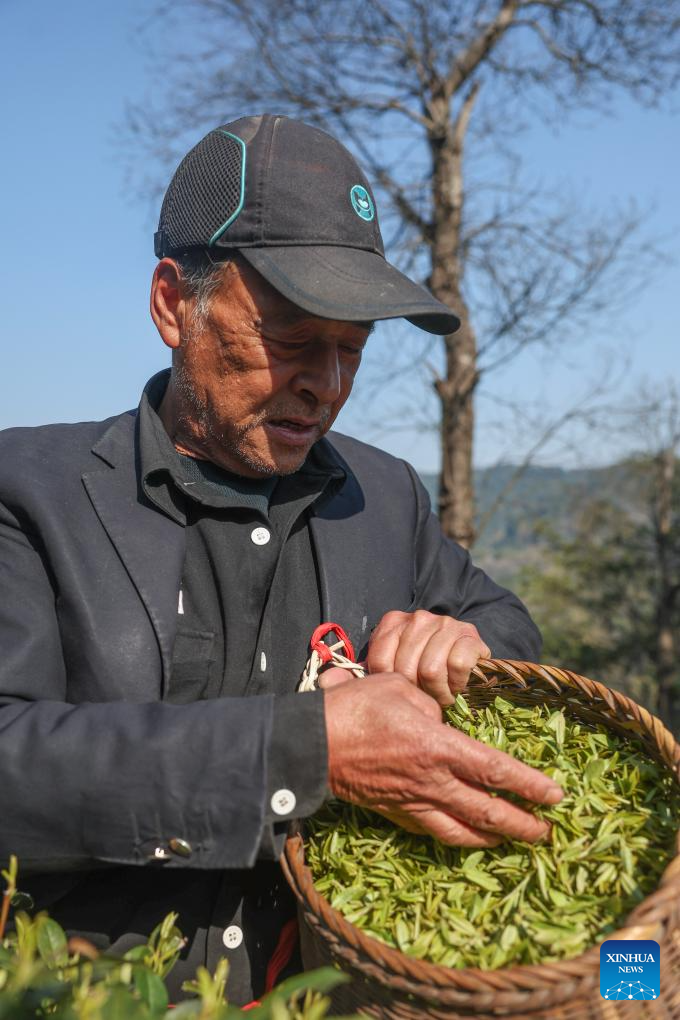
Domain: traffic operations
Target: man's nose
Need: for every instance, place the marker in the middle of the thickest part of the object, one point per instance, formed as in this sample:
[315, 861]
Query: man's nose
[320, 376]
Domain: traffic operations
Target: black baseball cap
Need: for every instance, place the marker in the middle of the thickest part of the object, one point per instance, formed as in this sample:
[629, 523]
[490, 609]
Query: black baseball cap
[294, 202]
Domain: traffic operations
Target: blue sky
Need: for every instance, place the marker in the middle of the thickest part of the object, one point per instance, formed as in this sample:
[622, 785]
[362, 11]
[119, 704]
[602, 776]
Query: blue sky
[78, 250]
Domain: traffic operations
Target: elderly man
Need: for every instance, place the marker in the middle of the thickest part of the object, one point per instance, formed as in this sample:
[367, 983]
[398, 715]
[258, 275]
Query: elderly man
[162, 572]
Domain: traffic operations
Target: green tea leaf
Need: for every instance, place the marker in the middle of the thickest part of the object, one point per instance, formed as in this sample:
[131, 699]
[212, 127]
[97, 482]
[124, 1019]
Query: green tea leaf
[472, 860]
[402, 933]
[52, 942]
[503, 706]
[594, 771]
[509, 937]
[151, 989]
[120, 1005]
[482, 879]
[557, 724]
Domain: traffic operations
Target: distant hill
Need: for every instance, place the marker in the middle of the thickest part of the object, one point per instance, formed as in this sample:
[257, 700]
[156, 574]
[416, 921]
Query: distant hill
[543, 496]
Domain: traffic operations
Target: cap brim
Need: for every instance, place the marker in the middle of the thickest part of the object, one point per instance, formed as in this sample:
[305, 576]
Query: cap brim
[349, 284]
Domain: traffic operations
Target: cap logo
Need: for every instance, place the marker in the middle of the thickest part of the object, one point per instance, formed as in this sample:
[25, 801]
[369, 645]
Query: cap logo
[362, 203]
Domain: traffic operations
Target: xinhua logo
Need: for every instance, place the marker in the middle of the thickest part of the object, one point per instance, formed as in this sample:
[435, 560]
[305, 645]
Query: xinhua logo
[362, 203]
[630, 970]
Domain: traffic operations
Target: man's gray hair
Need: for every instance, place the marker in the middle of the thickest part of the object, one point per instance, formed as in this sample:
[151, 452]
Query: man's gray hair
[202, 276]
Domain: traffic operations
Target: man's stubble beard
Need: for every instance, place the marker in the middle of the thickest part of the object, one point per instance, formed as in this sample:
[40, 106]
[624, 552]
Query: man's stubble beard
[234, 442]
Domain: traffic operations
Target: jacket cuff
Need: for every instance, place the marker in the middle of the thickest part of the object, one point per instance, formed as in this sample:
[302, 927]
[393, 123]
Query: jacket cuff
[297, 762]
[297, 765]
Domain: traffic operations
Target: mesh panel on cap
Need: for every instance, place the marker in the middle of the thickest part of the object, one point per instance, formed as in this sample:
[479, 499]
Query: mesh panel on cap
[205, 192]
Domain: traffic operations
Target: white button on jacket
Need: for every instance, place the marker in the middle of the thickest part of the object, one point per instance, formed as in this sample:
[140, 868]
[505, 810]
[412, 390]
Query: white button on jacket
[232, 936]
[283, 802]
[260, 536]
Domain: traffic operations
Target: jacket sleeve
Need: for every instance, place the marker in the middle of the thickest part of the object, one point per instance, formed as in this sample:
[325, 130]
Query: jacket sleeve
[448, 582]
[86, 784]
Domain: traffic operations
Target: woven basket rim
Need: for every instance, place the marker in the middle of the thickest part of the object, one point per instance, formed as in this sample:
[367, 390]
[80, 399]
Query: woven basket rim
[648, 920]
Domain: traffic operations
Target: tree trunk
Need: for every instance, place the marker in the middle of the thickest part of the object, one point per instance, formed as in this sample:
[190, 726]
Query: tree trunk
[456, 389]
[456, 393]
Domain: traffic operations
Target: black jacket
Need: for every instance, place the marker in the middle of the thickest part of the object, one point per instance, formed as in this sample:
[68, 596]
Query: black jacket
[94, 767]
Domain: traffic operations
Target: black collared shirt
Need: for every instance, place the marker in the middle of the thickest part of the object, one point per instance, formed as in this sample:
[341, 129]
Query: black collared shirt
[247, 606]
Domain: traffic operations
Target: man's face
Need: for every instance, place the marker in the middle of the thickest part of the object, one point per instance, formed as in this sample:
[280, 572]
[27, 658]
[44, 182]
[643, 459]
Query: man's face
[258, 380]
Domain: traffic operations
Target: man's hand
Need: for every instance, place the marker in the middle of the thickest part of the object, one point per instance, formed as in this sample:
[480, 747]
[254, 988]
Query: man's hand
[389, 750]
[434, 652]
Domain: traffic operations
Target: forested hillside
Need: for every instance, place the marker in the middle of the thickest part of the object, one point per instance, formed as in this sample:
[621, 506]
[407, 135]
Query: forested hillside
[543, 501]
[595, 554]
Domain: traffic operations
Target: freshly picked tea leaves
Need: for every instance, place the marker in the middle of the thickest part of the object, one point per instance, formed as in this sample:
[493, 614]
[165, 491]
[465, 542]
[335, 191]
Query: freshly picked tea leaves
[612, 836]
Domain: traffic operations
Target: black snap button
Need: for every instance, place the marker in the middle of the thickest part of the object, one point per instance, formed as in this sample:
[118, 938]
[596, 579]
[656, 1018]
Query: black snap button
[22, 900]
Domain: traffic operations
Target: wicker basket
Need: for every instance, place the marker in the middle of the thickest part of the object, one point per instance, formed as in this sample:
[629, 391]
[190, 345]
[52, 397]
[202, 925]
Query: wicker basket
[387, 983]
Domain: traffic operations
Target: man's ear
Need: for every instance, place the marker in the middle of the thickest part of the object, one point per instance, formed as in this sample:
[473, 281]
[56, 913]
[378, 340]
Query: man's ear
[169, 306]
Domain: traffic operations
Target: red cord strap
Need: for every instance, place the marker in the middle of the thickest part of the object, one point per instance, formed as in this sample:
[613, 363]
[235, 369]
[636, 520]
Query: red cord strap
[322, 649]
[324, 655]
[279, 958]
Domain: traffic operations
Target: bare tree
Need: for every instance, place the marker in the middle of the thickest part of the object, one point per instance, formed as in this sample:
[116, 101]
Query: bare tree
[433, 96]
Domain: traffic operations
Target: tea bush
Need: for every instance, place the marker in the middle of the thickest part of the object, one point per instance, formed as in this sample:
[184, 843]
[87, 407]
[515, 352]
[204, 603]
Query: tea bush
[45, 975]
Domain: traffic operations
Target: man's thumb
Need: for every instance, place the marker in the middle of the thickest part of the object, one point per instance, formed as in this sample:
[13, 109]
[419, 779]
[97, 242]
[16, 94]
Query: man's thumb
[334, 676]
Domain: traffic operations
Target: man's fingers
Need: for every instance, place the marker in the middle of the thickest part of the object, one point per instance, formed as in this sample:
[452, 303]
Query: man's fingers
[433, 672]
[411, 647]
[443, 827]
[456, 832]
[334, 676]
[399, 639]
[483, 812]
[463, 657]
[444, 667]
[435, 652]
[383, 645]
[477, 763]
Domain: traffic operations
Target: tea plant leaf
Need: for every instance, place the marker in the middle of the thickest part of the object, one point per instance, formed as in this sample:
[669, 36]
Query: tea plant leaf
[120, 1005]
[52, 942]
[151, 989]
